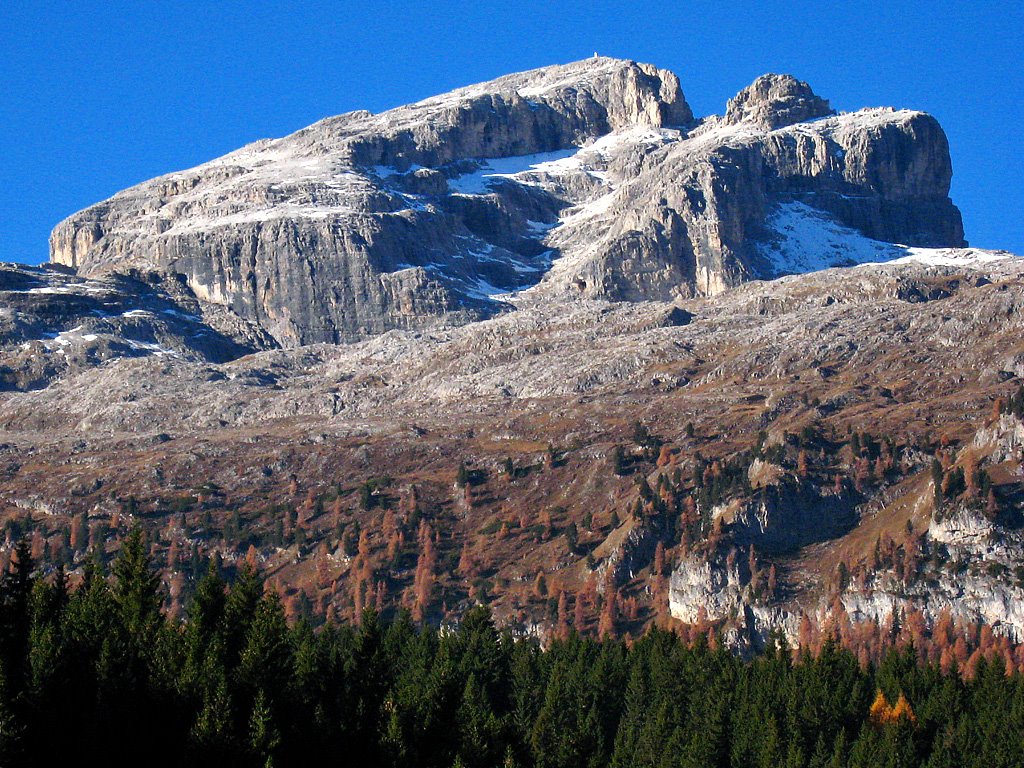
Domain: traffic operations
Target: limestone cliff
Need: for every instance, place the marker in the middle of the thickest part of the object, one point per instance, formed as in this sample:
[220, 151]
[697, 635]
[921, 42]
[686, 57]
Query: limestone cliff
[591, 178]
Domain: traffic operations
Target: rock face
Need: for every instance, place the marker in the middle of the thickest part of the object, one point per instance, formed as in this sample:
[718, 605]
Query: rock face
[979, 589]
[785, 518]
[591, 179]
[700, 215]
[53, 323]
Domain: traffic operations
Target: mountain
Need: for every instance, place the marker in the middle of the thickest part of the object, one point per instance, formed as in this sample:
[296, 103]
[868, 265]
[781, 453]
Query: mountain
[548, 339]
[589, 179]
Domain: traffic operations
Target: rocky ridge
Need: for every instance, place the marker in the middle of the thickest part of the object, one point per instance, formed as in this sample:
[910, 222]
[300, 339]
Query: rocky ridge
[590, 179]
[970, 566]
[53, 323]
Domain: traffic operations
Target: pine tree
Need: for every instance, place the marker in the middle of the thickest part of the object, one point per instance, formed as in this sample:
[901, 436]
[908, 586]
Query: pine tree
[618, 460]
[136, 591]
[15, 618]
[239, 611]
[210, 738]
[479, 728]
[462, 477]
[634, 718]
[206, 619]
[266, 659]
[572, 536]
[264, 737]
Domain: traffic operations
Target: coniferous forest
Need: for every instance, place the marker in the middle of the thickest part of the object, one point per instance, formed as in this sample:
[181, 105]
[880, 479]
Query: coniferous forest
[98, 671]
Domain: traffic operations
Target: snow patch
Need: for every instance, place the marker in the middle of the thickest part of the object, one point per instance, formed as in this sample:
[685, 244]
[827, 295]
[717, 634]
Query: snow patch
[498, 168]
[478, 288]
[591, 159]
[180, 315]
[809, 240]
[952, 257]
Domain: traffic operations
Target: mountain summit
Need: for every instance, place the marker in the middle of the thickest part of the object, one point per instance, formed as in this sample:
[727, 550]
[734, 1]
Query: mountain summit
[588, 179]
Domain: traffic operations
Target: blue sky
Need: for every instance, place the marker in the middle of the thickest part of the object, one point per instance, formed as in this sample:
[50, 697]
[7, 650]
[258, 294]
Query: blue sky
[95, 97]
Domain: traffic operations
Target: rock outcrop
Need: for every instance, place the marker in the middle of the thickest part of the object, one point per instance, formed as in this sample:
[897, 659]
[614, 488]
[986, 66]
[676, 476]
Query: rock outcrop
[701, 214]
[775, 101]
[786, 517]
[347, 228]
[53, 323]
[591, 179]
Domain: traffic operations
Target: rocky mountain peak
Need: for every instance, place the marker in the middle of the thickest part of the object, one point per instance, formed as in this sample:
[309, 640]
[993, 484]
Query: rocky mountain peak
[629, 92]
[775, 101]
[589, 179]
[539, 110]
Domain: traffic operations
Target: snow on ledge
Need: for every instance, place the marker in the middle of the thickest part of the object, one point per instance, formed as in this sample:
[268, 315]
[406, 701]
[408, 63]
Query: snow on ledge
[952, 257]
[805, 239]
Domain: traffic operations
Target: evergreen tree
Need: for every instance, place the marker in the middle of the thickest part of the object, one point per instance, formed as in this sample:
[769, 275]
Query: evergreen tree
[265, 663]
[479, 728]
[136, 592]
[264, 738]
[239, 610]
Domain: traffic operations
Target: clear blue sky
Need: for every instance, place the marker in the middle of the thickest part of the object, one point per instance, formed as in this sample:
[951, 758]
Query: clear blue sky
[97, 96]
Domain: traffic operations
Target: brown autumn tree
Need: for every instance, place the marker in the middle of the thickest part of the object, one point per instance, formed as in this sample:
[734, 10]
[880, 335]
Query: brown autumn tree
[664, 456]
[997, 408]
[252, 557]
[173, 554]
[423, 583]
[609, 614]
[880, 711]
[801, 463]
[878, 469]
[358, 604]
[395, 543]
[861, 474]
[562, 626]
[971, 472]
[806, 632]
[579, 614]
[631, 608]
[540, 586]
[659, 559]
[323, 565]
[38, 545]
[79, 532]
[545, 521]
[902, 710]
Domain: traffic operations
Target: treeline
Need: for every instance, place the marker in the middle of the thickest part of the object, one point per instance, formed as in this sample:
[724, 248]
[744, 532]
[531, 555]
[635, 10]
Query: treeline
[99, 672]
